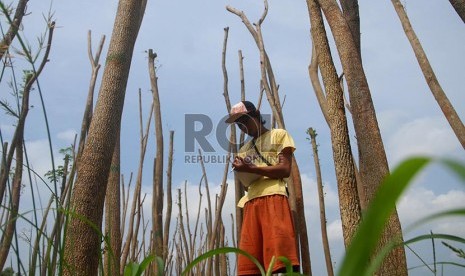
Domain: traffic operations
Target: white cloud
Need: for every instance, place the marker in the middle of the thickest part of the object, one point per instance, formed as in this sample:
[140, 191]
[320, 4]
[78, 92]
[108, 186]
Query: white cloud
[335, 231]
[420, 202]
[423, 136]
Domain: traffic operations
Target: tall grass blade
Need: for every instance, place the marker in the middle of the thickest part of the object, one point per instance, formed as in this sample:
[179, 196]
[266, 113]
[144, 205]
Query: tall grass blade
[362, 247]
[364, 243]
[223, 250]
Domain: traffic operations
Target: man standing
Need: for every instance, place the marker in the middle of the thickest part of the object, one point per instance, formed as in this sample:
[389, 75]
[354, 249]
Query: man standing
[262, 165]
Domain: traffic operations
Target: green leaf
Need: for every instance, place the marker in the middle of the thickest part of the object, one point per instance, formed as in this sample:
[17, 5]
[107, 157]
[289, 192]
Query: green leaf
[135, 269]
[366, 238]
[131, 269]
[145, 263]
[223, 250]
[356, 260]
[270, 267]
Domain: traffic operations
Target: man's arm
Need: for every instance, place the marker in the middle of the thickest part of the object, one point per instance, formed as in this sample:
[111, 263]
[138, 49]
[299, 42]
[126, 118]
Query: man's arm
[280, 170]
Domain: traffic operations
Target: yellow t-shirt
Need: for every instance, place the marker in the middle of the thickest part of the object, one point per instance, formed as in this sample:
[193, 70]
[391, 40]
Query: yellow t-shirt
[270, 144]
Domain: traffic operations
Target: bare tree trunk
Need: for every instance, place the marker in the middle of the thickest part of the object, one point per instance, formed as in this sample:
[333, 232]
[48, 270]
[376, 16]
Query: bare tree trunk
[342, 153]
[459, 6]
[324, 234]
[132, 234]
[233, 145]
[315, 80]
[169, 199]
[113, 215]
[87, 117]
[373, 162]
[351, 14]
[10, 227]
[14, 26]
[82, 243]
[182, 232]
[431, 79]
[157, 203]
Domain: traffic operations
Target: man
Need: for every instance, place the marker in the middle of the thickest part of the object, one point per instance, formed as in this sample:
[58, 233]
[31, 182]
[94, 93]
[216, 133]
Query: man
[267, 228]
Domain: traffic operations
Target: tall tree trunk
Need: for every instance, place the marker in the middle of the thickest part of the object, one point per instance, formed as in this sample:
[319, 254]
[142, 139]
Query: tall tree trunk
[433, 83]
[169, 198]
[157, 202]
[82, 242]
[373, 162]
[113, 215]
[13, 205]
[324, 233]
[233, 144]
[459, 6]
[136, 199]
[342, 154]
[351, 14]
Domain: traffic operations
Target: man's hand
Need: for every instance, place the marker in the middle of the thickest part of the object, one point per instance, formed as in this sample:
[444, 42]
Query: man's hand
[243, 164]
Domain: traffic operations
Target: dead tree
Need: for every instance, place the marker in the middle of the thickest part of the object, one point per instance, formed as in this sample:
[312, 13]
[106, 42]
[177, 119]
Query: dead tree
[169, 198]
[238, 188]
[372, 156]
[82, 244]
[321, 198]
[446, 106]
[157, 202]
[136, 201]
[334, 103]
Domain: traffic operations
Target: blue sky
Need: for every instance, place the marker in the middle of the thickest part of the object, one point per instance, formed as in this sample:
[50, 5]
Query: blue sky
[188, 38]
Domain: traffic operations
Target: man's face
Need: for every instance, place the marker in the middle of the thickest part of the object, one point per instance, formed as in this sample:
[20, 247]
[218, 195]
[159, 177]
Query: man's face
[247, 124]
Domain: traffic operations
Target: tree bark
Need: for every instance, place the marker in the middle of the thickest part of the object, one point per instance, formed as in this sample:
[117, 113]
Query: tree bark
[373, 162]
[9, 229]
[157, 202]
[14, 26]
[113, 215]
[342, 154]
[351, 14]
[169, 198]
[431, 79]
[459, 6]
[82, 243]
[88, 111]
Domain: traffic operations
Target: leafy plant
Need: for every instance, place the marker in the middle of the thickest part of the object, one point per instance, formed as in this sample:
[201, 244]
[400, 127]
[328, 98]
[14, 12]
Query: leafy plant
[135, 269]
[356, 260]
[226, 250]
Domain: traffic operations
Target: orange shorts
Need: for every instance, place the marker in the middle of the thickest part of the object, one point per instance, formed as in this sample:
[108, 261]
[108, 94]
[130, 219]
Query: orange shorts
[267, 231]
